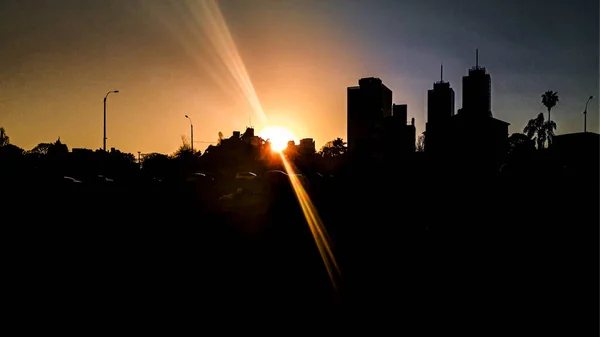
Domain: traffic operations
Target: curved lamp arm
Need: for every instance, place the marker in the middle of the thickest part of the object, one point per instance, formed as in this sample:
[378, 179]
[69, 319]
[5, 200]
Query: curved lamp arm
[586, 104]
[108, 93]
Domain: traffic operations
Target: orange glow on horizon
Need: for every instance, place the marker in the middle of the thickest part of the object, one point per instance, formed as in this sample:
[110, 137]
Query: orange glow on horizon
[214, 61]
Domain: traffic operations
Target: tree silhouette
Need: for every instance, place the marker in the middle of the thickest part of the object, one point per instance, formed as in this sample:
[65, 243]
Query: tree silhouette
[334, 148]
[519, 143]
[10, 152]
[549, 100]
[4, 139]
[185, 149]
[539, 130]
[185, 160]
[123, 157]
[156, 164]
[41, 149]
[58, 149]
[291, 150]
[421, 144]
[266, 147]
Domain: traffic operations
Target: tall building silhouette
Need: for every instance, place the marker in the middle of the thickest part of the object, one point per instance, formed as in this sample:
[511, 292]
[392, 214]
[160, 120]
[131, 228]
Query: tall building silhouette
[367, 103]
[472, 134]
[399, 136]
[440, 107]
[377, 130]
[440, 100]
[400, 112]
[477, 90]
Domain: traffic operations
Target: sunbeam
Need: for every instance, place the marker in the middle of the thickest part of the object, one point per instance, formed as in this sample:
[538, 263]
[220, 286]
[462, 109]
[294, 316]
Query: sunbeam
[314, 223]
[220, 58]
[204, 22]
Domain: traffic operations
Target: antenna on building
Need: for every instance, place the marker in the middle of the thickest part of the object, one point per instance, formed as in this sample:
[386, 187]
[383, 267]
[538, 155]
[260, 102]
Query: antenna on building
[442, 72]
[476, 58]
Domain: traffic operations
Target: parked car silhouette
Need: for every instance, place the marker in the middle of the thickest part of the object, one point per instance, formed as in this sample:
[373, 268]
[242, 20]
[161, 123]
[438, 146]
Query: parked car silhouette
[104, 179]
[246, 176]
[199, 177]
[276, 172]
[71, 180]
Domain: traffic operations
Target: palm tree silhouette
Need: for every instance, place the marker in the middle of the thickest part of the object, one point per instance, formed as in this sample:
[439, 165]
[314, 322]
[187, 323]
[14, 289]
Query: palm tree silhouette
[540, 130]
[549, 100]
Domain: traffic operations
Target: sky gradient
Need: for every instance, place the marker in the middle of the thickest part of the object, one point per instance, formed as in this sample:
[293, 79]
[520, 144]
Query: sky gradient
[292, 59]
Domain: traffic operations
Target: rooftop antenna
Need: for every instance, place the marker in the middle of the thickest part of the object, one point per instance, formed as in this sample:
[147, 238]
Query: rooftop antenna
[476, 58]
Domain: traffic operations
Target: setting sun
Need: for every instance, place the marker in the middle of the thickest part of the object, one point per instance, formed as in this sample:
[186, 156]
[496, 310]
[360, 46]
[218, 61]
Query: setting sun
[278, 136]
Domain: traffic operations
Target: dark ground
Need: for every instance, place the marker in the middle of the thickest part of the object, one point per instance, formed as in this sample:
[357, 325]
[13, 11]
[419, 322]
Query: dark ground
[472, 255]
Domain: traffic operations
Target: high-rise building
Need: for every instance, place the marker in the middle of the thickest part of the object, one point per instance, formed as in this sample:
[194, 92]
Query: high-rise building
[440, 100]
[399, 136]
[477, 90]
[440, 108]
[377, 130]
[367, 103]
[400, 112]
[472, 133]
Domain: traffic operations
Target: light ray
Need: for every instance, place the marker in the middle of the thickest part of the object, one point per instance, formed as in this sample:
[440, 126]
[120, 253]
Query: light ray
[216, 30]
[202, 31]
[315, 224]
[199, 24]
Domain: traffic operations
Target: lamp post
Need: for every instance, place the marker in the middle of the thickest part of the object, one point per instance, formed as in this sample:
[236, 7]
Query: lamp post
[191, 133]
[585, 114]
[104, 139]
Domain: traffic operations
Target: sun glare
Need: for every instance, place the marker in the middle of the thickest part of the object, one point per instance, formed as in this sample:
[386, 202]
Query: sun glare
[278, 136]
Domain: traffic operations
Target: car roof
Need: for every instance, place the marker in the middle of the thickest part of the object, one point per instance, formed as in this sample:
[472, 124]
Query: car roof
[276, 171]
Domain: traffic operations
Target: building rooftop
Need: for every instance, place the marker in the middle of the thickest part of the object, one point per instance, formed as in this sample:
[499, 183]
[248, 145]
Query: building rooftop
[477, 68]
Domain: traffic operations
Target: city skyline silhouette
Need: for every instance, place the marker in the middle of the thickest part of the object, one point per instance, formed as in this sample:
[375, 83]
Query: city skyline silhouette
[62, 90]
[415, 167]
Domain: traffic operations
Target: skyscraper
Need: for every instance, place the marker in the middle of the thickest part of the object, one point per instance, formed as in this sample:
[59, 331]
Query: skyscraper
[477, 90]
[399, 135]
[400, 112]
[440, 108]
[472, 134]
[367, 103]
[440, 100]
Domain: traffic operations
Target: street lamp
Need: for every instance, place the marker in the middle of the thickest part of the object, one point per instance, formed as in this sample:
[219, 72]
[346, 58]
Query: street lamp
[105, 97]
[191, 133]
[585, 114]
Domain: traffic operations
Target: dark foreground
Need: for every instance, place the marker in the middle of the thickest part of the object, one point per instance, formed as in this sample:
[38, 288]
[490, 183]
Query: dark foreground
[474, 256]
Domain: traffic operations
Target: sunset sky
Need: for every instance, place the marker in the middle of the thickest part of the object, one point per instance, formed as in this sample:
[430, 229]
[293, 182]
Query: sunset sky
[288, 63]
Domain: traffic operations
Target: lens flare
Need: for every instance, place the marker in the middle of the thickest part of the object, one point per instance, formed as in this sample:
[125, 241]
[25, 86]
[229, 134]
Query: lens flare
[199, 24]
[314, 223]
[202, 30]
